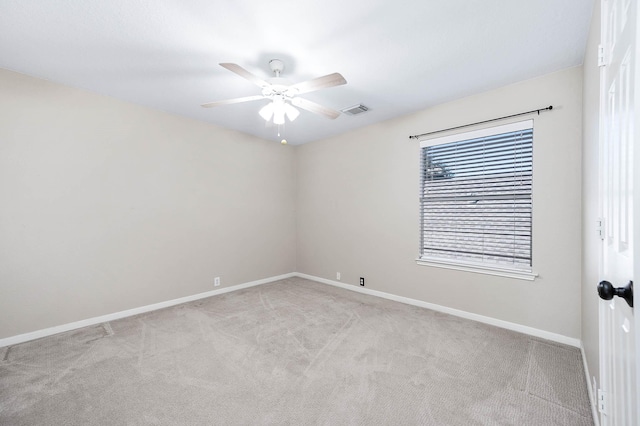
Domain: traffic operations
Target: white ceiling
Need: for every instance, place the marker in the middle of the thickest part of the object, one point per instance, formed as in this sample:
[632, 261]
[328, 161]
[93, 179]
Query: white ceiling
[398, 57]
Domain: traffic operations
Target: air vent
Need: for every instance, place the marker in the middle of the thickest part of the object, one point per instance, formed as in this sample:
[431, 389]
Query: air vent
[356, 109]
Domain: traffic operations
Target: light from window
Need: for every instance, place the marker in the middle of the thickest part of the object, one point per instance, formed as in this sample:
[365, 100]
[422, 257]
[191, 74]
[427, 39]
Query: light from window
[476, 198]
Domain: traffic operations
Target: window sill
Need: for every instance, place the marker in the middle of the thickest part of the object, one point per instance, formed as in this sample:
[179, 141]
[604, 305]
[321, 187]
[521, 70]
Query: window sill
[479, 269]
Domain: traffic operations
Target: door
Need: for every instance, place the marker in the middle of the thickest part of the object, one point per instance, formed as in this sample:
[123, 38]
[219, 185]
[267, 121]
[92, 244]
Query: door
[618, 398]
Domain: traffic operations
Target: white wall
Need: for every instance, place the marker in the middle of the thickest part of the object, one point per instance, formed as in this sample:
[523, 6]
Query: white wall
[358, 208]
[591, 242]
[106, 206]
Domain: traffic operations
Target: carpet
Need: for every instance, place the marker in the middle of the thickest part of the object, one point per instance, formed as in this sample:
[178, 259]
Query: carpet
[292, 352]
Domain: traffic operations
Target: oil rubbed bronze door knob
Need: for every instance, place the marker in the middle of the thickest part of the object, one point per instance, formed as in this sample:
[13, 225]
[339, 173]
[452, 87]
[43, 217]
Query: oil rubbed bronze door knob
[606, 291]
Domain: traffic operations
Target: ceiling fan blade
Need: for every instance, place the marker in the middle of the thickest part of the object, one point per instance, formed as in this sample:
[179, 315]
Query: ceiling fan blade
[331, 80]
[232, 101]
[245, 74]
[315, 108]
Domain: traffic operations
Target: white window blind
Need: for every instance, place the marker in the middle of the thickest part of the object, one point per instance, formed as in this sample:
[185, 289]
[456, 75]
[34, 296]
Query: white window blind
[476, 197]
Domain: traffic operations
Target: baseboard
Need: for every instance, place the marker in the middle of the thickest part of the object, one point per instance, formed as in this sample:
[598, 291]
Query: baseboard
[21, 338]
[590, 390]
[13, 340]
[463, 314]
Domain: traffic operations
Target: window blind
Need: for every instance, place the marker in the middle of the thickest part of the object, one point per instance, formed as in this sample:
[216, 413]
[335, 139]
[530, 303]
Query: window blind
[476, 199]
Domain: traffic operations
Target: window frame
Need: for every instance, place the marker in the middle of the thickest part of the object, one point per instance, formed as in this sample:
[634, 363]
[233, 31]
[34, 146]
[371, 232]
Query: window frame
[467, 265]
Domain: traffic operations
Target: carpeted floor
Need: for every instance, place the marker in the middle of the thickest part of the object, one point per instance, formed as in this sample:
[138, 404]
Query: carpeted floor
[292, 352]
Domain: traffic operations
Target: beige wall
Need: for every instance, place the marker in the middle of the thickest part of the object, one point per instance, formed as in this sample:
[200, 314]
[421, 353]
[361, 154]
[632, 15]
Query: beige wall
[106, 206]
[591, 241]
[358, 208]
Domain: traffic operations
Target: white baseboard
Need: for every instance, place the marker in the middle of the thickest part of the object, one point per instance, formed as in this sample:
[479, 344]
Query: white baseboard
[590, 390]
[13, 340]
[21, 338]
[463, 314]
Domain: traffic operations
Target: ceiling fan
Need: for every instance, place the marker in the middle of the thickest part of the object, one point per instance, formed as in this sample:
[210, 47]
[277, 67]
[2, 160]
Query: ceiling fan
[283, 94]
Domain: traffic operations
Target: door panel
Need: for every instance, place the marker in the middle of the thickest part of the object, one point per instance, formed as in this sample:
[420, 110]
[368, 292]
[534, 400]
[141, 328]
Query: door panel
[618, 364]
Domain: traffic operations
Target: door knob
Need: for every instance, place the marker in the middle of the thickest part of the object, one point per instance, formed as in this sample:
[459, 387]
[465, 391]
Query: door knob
[606, 291]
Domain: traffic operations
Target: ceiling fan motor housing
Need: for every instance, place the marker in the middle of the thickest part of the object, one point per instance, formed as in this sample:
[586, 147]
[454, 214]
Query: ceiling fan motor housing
[277, 66]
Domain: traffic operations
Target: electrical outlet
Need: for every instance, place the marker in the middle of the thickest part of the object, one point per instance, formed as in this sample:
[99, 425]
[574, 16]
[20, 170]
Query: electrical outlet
[338, 276]
[603, 401]
[362, 281]
[216, 281]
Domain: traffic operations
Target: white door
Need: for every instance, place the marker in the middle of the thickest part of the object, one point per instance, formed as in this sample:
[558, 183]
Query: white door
[619, 370]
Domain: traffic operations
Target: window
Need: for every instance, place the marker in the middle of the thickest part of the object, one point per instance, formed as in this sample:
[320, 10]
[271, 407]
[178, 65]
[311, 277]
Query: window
[475, 200]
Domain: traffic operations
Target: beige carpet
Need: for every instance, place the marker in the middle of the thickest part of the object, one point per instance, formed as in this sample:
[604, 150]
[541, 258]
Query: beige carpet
[292, 352]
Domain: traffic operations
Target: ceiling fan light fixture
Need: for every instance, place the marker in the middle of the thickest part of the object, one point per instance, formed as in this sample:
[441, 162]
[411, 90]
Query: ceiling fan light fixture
[292, 113]
[266, 111]
[278, 114]
[278, 118]
[278, 109]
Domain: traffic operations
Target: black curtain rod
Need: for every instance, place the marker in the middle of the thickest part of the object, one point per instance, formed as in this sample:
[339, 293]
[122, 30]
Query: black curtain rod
[549, 108]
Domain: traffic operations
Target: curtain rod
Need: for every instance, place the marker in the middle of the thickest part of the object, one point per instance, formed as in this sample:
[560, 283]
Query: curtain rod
[549, 108]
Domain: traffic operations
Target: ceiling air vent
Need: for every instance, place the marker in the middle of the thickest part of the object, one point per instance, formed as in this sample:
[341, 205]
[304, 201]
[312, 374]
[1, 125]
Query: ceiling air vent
[356, 109]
